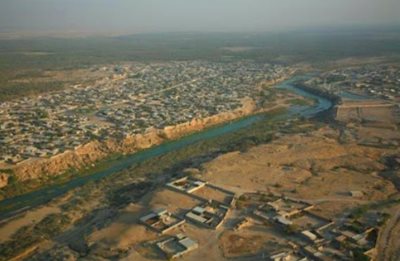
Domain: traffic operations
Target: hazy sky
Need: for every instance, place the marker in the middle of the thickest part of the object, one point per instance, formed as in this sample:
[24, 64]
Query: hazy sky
[192, 15]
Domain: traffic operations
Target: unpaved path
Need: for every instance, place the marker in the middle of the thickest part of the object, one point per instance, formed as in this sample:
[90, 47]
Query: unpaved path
[388, 242]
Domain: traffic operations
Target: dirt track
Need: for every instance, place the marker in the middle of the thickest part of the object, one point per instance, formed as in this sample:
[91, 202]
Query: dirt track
[388, 246]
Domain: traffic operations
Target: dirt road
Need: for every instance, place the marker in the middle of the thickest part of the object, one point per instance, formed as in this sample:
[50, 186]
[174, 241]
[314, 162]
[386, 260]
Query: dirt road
[388, 242]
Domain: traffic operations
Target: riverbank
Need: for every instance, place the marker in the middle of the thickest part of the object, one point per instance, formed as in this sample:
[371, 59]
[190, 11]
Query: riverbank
[236, 135]
[134, 176]
[97, 151]
[297, 157]
[336, 99]
[32, 174]
[148, 168]
[38, 197]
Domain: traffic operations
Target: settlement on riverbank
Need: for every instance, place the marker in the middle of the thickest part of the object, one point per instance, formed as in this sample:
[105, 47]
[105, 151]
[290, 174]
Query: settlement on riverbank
[39, 197]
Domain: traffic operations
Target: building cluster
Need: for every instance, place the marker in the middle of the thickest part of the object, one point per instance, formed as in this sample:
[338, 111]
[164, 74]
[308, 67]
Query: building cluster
[313, 237]
[208, 214]
[130, 100]
[304, 234]
[380, 81]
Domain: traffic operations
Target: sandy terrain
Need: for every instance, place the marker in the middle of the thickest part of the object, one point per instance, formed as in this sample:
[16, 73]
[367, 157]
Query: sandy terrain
[376, 111]
[173, 201]
[313, 167]
[317, 166]
[251, 241]
[125, 231]
[32, 216]
[383, 133]
[213, 194]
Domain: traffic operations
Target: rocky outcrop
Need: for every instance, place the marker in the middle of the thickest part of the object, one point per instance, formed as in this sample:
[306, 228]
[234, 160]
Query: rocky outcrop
[174, 132]
[95, 150]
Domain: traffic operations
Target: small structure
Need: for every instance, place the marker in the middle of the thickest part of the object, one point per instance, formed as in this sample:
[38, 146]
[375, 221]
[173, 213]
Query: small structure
[186, 185]
[309, 235]
[364, 241]
[177, 246]
[359, 239]
[313, 253]
[311, 221]
[265, 212]
[356, 194]
[161, 221]
[287, 208]
[211, 214]
[287, 256]
[283, 221]
[242, 223]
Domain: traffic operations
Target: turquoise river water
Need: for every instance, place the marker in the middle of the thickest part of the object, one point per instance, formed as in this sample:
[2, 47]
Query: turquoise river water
[41, 196]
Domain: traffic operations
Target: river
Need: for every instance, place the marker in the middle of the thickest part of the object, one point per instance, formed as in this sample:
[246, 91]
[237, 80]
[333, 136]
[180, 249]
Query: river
[11, 206]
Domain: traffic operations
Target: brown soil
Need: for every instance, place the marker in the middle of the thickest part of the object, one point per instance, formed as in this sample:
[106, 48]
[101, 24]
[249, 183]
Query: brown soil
[313, 166]
[250, 241]
[213, 194]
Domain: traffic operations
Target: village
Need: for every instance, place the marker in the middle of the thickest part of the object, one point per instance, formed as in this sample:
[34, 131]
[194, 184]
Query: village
[374, 80]
[290, 229]
[269, 215]
[310, 194]
[129, 100]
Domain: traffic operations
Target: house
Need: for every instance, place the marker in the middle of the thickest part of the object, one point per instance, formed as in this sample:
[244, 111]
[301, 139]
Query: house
[287, 256]
[283, 221]
[210, 215]
[287, 208]
[186, 185]
[177, 246]
[309, 235]
[161, 221]
[356, 194]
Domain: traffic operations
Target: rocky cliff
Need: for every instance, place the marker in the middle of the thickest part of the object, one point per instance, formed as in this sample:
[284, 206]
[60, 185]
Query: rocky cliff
[95, 150]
